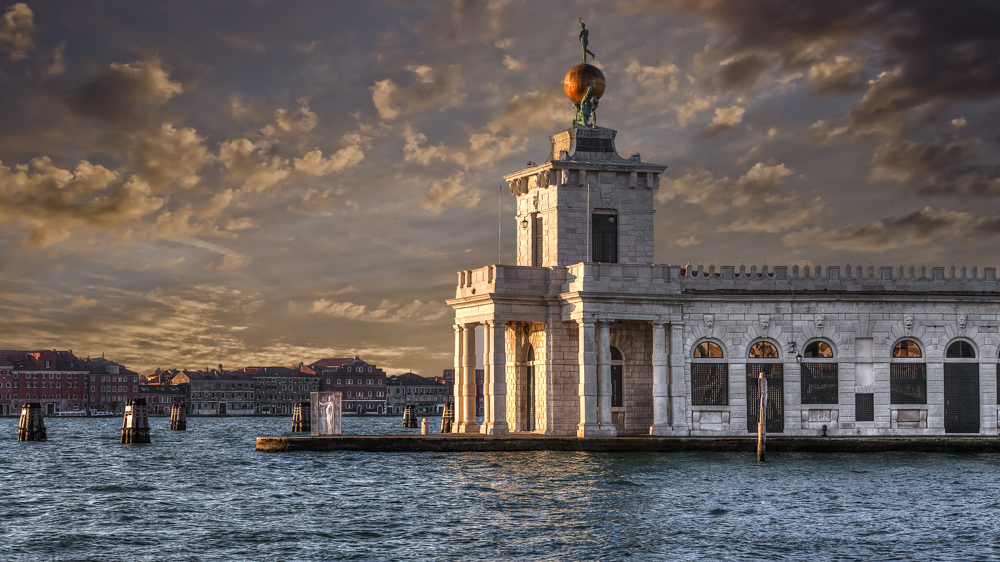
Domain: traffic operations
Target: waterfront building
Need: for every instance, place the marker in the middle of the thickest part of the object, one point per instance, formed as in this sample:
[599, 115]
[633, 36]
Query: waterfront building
[277, 389]
[111, 384]
[362, 385]
[425, 395]
[161, 397]
[587, 335]
[58, 380]
[217, 392]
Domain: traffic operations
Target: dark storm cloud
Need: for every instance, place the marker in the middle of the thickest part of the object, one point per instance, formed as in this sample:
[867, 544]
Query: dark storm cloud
[937, 168]
[912, 229]
[928, 50]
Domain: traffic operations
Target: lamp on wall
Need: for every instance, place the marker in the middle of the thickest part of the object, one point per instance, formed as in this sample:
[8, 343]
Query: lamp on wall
[793, 348]
[524, 223]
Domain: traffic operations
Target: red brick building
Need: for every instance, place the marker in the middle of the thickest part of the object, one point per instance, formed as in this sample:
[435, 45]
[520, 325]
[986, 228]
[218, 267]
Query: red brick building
[58, 380]
[111, 385]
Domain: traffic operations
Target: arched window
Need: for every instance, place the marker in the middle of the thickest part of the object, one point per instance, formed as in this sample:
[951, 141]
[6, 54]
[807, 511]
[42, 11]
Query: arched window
[764, 359]
[819, 374]
[907, 374]
[709, 375]
[961, 388]
[617, 378]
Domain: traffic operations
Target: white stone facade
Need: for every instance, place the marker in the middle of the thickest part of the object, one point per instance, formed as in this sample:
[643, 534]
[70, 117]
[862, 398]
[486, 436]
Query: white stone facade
[612, 345]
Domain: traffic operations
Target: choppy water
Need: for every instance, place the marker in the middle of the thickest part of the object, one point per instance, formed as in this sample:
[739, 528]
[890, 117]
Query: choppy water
[206, 494]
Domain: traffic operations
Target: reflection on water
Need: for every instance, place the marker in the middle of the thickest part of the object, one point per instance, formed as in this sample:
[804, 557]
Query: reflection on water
[206, 494]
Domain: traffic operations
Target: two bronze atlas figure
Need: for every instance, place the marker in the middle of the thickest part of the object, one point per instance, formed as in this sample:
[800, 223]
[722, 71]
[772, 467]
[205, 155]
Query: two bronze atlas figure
[584, 85]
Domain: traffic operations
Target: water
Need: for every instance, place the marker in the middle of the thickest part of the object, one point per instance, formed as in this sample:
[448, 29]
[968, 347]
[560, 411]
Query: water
[206, 494]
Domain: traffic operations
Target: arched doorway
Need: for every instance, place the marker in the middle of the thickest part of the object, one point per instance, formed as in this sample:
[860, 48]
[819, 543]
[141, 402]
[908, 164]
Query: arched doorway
[961, 389]
[763, 358]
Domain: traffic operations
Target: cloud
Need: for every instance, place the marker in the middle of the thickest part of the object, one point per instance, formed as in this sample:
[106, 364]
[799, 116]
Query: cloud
[695, 105]
[742, 71]
[247, 163]
[937, 168]
[301, 120]
[387, 311]
[243, 43]
[16, 28]
[168, 157]
[51, 200]
[914, 229]
[81, 301]
[649, 75]
[231, 259]
[725, 118]
[431, 88]
[57, 65]
[841, 75]
[512, 64]
[458, 190]
[125, 92]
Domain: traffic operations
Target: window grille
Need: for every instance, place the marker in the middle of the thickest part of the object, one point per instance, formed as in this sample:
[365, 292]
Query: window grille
[819, 383]
[537, 246]
[775, 414]
[709, 384]
[908, 383]
[604, 235]
[864, 407]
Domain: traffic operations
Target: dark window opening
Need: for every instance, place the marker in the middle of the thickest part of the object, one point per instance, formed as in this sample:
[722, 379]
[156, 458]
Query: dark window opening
[709, 384]
[961, 350]
[819, 383]
[537, 243]
[763, 350]
[864, 407]
[908, 383]
[604, 238]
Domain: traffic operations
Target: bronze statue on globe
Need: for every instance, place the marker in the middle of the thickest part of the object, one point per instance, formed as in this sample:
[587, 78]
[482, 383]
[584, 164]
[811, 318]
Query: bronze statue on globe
[584, 85]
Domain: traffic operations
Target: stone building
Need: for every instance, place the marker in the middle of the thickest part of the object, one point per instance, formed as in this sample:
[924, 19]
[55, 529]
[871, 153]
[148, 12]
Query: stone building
[362, 385]
[588, 336]
[425, 395]
[217, 392]
[277, 389]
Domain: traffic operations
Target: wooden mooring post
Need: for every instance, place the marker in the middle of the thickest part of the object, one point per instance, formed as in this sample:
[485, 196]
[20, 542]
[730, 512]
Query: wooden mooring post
[448, 417]
[135, 422]
[409, 418]
[762, 418]
[178, 417]
[301, 420]
[31, 425]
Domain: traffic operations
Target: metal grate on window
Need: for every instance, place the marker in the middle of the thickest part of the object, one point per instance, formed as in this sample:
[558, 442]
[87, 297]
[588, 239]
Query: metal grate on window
[775, 415]
[864, 407]
[908, 383]
[819, 383]
[709, 384]
[537, 246]
[604, 238]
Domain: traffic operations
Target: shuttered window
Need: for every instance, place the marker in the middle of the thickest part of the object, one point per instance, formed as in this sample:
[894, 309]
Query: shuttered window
[604, 238]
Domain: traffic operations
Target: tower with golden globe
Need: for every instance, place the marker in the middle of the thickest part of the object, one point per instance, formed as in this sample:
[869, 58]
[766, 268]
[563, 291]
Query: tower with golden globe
[584, 85]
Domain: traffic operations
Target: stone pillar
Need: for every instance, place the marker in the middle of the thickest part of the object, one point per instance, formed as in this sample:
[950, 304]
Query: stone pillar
[487, 380]
[459, 385]
[178, 417]
[31, 425]
[661, 387]
[607, 427]
[678, 386]
[135, 421]
[301, 417]
[587, 361]
[468, 423]
[495, 363]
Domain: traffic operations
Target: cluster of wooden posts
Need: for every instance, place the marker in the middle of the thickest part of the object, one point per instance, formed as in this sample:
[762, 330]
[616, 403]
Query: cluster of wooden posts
[135, 421]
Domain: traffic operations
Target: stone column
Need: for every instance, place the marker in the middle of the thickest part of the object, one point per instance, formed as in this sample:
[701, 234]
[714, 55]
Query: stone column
[678, 387]
[468, 423]
[607, 428]
[495, 363]
[459, 390]
[661, 387]
[487, 380]
[587, 360]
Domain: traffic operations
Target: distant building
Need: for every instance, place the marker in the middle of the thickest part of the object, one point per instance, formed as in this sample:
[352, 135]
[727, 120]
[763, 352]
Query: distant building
[111, 384]
[161, 397]
[56, 379]
[218, 392]
[362, 384]
[277, 389]
[425, 395]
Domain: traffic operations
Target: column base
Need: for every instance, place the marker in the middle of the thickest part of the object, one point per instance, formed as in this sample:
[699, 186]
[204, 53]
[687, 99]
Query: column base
[495, 428]
[594, 430]
[468, 427]
[608, 430]
[661, 430]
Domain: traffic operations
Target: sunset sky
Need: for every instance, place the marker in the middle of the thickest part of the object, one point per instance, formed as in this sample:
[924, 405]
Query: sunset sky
[184, 184]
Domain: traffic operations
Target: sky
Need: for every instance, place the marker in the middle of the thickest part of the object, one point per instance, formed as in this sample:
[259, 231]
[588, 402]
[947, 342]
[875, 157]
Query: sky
[186, 184]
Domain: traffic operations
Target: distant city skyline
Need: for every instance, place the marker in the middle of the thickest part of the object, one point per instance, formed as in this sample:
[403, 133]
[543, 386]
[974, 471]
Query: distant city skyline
[183, 188]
